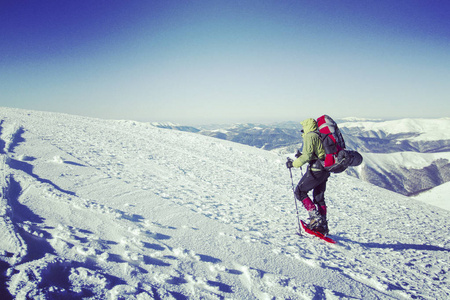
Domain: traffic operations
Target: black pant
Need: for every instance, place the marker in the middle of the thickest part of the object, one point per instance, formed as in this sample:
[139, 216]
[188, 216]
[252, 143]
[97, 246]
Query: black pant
[313, 180]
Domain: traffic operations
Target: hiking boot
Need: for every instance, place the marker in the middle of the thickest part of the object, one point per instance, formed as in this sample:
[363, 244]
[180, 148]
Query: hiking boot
[315, 218]
[318, 222]
[323, 228]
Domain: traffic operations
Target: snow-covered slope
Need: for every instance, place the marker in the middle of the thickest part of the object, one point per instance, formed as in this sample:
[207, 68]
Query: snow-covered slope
[118, 209]
[438, 196]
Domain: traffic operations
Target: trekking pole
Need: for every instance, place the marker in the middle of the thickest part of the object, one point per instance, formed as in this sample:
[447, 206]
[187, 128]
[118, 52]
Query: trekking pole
[295, 200]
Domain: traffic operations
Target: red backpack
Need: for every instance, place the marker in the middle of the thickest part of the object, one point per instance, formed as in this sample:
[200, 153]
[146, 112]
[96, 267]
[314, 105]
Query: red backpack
[337, 158]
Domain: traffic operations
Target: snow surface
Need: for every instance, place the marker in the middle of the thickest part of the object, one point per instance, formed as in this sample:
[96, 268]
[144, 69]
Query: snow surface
[124, 210]
[428, 129]
[438, 196]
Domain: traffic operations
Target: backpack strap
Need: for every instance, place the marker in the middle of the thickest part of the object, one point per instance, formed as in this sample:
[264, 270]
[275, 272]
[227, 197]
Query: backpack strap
[321, 135]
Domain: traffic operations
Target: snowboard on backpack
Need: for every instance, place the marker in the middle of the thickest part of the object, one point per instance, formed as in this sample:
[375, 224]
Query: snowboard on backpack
[315, 233]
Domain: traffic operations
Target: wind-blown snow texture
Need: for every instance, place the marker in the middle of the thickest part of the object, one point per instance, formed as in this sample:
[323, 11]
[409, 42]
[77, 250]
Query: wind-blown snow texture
[119, 209]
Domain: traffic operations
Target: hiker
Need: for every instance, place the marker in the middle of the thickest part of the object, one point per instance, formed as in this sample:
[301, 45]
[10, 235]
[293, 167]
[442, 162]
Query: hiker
[315, 177]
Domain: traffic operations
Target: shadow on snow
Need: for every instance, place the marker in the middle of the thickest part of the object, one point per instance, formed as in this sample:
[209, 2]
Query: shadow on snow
[28, 168]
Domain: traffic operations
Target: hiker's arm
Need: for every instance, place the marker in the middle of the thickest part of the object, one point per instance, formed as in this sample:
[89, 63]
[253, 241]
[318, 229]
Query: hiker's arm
[308, 152]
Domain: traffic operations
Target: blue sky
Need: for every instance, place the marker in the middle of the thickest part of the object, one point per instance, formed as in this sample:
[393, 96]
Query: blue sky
[198, 62]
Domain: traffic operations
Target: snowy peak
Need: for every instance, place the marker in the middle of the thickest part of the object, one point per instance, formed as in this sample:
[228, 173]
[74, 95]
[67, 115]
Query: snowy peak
[357, 119]
[410, 129]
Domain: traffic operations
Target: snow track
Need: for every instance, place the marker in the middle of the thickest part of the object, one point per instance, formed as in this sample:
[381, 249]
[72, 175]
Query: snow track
[119, 209]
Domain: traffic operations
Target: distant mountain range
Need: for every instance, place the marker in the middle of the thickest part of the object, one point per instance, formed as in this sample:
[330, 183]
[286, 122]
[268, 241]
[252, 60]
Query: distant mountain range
[407, 156]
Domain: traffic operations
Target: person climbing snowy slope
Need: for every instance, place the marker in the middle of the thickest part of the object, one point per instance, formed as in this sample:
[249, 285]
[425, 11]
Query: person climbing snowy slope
[315, 178]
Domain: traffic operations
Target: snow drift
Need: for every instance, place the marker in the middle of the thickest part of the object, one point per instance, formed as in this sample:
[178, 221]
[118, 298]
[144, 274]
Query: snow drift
[96, 208]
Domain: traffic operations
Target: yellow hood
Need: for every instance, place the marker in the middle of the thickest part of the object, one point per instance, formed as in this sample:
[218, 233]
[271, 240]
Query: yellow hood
[309, 125]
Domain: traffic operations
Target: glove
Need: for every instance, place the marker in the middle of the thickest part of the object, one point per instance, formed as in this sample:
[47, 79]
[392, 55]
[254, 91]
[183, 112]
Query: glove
[289, 163]
[298, 154]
